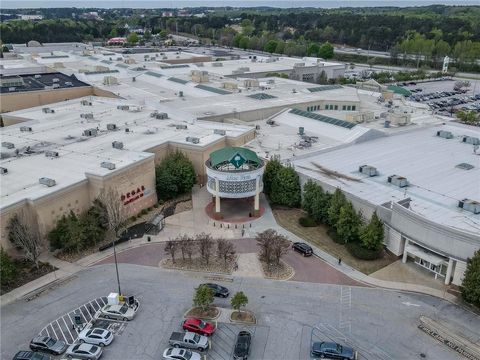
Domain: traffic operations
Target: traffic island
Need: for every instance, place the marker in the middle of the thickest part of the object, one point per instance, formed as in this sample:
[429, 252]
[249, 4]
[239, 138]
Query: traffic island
[215, 266]
[210, 313]
[280, 271]
[243, 317]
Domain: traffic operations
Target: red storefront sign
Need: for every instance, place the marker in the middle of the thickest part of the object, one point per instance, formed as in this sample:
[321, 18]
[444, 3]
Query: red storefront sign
[133, 195]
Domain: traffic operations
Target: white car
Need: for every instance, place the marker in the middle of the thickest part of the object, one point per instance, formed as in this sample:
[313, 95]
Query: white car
[95, 336]
[84, 351]
[180, 354]
[119, 312]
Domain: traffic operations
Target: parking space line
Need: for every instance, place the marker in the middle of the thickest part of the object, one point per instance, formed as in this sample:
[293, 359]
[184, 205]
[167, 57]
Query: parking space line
[81, 314]
[53, 329]
[68, 328]
[60, 329]
[87, 312]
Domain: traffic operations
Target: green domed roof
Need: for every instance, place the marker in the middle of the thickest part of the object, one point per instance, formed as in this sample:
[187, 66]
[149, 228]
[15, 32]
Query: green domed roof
[237, 156]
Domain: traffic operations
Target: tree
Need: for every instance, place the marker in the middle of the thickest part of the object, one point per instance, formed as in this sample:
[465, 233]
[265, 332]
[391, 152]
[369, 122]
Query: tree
[186, 246]
[372, 234]
[272, 246]
[335, 204]
[315, 201]
[225, 250]
[286, 188]
[239, 300]
[203, 297]
[270, 46]
[468, 117]
[326, 51]
[8, 271]
[24, 233]
[243, 42]
[271, 170]
[205, 245]
[147, 35]
[174, 176]
[313, 49]
[280, 246]
[116, 214]
[471, 280]
[348, 223]
[132, 38]
[163, 34]
[171, 248]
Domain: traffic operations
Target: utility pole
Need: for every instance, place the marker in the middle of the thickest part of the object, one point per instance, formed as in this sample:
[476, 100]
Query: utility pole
[116, 266]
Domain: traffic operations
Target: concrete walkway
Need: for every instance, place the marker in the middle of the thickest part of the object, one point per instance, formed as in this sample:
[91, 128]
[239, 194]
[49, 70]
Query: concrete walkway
[196, 221]
[248, 266]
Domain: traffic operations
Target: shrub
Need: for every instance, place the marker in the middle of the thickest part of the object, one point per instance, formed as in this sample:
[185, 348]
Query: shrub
[144, 212]
[359, 252]
[307, 221]
[174, 176]
[471, 280]
[8, 271]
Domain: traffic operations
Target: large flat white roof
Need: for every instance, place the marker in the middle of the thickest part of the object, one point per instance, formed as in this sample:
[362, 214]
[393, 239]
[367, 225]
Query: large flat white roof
[427, 161]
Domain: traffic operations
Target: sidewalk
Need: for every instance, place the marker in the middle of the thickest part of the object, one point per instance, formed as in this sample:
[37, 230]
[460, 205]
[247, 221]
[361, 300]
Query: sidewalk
[195, 221]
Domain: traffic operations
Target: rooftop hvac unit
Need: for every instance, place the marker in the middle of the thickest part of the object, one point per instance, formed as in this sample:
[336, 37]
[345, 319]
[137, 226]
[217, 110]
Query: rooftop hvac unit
[219, 131]
[301, 130]
[86, 103]
[123, 107]
[398, 180]
[47, 181]
[217, 64]
[368, 170]
[87, 116]
[25, 128]
[51, 153]
[90, 132]
[8, 145]
[305, 144]
[68, 83]
[470, 140]
[470, 205]
[111, 127]
[117, 145]
[180, 94]
[127, 130]
[55, 86]
[108, 165]
[47, 110]
[181, 127]
[445, 134]
[55, 80]
[257, 127]
[159, 115]
[3, 170]
[11, 88]
[37, 76]
[193, 140]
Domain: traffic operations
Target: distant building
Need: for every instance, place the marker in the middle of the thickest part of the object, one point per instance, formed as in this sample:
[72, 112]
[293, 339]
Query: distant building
[30, 17]
[116, 41]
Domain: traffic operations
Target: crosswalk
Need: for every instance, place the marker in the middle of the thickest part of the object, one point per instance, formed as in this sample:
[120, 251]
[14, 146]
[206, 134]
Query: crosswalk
[63, 328]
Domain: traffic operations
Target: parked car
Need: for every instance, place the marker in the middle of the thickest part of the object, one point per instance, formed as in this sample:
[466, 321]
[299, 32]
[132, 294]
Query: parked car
[30, 355]
[84, 351]
[303, 248]
[48, 344]
[189, 340]
[119, 312]
[218, 290]
[331, 350]
[180, 354]
[242, 345]
[95, 336]
[198, 326]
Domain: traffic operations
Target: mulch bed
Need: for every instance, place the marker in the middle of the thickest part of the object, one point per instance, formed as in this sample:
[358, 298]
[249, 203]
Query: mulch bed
[282, 271]
[26, 272]
[243, 316]
[211, 313]
[215, 265]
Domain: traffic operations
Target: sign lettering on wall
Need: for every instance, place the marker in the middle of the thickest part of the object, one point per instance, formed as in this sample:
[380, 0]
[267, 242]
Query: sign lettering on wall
[133, 195]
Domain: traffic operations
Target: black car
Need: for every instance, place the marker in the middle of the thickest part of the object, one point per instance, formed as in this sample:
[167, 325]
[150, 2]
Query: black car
[242, 346]
[303, 248]
[30, 355]
[218, 290]
[331, 350]
[48, 344]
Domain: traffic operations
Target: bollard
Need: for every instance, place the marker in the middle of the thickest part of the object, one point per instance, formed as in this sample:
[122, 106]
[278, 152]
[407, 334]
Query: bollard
[214, 224]
[221, 224]
[235, 226]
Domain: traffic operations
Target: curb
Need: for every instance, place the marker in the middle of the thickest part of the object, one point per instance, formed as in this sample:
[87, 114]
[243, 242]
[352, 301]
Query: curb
[243, 322]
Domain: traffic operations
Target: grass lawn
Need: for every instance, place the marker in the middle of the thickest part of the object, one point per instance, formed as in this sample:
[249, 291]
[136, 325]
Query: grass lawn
[288, 219]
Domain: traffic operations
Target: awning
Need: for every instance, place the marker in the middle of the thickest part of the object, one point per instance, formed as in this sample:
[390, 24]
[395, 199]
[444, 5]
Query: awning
[425, 255]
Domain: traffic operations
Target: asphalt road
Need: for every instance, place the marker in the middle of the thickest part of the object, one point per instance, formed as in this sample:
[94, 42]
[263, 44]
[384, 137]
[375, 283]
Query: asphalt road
[379, 321]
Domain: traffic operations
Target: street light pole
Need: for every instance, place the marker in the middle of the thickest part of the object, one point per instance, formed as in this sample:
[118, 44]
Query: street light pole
[116, 267]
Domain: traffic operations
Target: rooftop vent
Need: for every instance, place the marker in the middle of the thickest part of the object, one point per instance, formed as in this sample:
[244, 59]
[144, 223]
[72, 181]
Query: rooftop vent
[127, 130]
[8, 145]
[181, 127]
[47, 110]
[123, 107]
[220, 131]
[193, 140]
[368, 170]
[470, 205]
[159, 115]
[464, 166]
[25, 128]
[111, 127]
[108, 165]
[117, 145]
[301, 130]
[55, 80]
[470, 140]
[87, 116]
[398, 180]
[3, 170]
[86, 103]
[51, 153]
[47, 181]
[90, 132]
[37, 76]
[445, 134]
[217, 64]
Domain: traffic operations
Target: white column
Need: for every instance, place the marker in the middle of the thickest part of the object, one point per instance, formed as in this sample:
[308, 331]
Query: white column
[217, 196]
[256, 206]
[449, 271]
[404, 259]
